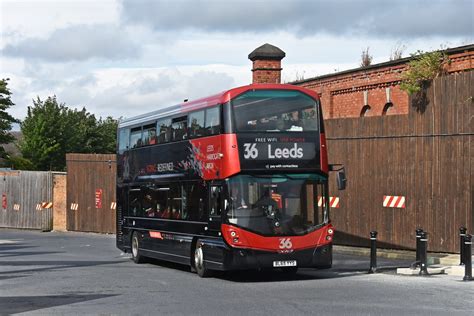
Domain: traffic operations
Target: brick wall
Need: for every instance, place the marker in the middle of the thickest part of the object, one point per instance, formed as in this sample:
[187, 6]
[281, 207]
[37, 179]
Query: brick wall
[59, 202]
[345, 94]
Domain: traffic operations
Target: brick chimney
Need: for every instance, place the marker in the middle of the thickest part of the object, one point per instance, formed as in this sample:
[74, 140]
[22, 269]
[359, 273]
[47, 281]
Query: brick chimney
[266, 64]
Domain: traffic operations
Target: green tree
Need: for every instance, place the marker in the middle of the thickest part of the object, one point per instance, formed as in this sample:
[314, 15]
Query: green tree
[43, 135]
[19, 163]
[6, 120]
[107, 131]
[51, 130]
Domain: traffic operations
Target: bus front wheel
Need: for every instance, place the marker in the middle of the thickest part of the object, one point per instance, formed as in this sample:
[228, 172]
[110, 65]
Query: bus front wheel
[136, 256]
[199, 264]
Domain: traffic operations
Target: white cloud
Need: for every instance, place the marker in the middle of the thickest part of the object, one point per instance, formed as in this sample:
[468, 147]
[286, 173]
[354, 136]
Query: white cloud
[78, 42]
[143, 90]
[129, 92]
[38, 19]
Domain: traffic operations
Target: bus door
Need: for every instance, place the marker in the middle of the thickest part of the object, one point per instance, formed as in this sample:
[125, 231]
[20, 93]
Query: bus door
[215, 208]
[121, 208]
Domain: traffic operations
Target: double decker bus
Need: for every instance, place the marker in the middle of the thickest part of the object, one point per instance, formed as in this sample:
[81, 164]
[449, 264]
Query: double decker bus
[238, 180]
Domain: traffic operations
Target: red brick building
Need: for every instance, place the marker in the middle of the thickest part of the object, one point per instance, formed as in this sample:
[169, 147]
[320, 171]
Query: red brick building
[366, 91]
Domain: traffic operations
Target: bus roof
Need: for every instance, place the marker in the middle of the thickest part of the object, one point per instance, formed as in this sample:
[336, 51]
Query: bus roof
[209, 101]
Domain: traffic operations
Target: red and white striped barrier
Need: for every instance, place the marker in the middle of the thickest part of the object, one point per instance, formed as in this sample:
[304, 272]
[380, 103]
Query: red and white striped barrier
[333, 201]
[113, 206]
[74, 206]
[47, 205]
[394, 201]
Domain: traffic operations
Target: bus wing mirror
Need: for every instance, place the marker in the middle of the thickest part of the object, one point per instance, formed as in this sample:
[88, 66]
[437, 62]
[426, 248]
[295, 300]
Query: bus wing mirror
[341, 179]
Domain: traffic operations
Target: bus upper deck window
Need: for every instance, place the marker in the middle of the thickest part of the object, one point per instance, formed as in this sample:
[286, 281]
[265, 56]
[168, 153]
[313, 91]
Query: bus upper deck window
[196, 124]
[136, 137]
[123, 140]
[149, 135]
[179, 128]
[164, 130]
[213, 123]
[275, 111]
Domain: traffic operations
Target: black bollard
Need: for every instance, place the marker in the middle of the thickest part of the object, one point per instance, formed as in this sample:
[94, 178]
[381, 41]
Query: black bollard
[467, 258]
[462, 234]
[373, 252]
[418, 236]
[424, 253]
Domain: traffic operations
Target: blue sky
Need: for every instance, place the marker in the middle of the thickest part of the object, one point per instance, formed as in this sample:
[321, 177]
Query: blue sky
[124, 57]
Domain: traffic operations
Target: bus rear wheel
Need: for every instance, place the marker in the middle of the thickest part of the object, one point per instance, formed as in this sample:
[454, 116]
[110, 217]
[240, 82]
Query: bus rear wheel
[136, 256]
[199, 264]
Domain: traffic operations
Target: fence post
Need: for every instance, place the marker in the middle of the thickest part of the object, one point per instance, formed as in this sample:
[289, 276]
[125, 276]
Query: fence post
[467, 258]
[373, 252]
[462, 235]
[424, 253]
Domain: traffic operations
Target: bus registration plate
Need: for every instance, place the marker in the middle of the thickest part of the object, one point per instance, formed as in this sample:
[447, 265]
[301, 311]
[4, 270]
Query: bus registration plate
[288, 263]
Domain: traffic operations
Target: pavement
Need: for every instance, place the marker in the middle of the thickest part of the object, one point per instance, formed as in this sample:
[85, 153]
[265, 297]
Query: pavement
[439, 263]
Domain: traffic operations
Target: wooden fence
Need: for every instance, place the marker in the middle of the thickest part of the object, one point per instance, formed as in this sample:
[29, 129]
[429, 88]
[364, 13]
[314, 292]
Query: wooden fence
[91, 192]
[23, 194]
[426, 156]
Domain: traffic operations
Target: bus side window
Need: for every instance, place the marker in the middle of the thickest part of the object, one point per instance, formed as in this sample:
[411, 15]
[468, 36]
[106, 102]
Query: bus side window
[164, 130]
[179, 128]
[136, 137]
[176, 202]
[213, 124]
[196, 194]
[322, 203]
[134, 202]
[215, 201]
[123, 140]
[149, 134]
[196, 124]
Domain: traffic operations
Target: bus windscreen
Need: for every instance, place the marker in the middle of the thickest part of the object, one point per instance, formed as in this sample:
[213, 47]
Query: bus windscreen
[277, 205]
[275, 111]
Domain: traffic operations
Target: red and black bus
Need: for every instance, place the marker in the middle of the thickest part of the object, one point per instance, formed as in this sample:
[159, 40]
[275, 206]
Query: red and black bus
[238, 180]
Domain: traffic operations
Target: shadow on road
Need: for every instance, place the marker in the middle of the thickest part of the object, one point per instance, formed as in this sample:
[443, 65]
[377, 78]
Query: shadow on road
[5, 254]
[14, 247]
[270, 275]
[20, 304]
[52, 265]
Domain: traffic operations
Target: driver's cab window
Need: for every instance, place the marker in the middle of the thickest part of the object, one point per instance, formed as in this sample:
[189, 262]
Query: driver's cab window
[215, 201]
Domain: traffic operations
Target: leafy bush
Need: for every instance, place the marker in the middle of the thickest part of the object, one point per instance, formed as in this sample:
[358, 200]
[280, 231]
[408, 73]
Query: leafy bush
[423, 67]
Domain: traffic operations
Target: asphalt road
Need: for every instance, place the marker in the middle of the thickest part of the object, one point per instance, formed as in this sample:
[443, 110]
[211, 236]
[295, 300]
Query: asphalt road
[84, 274]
